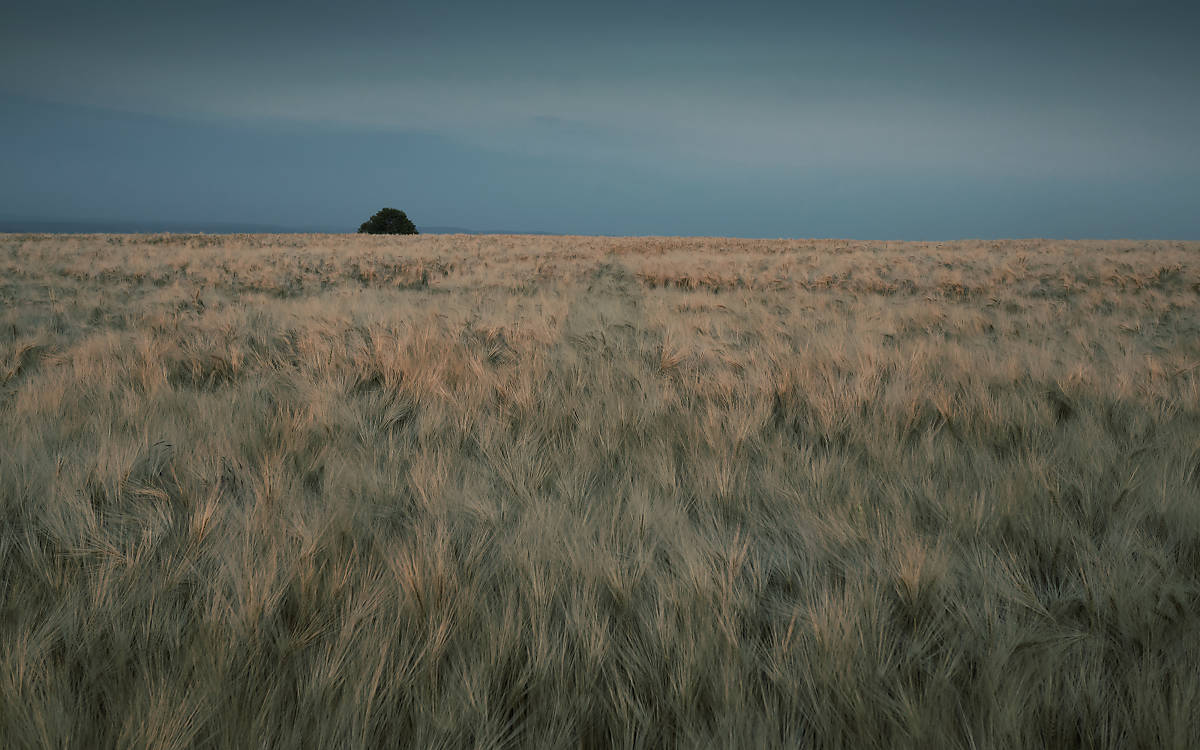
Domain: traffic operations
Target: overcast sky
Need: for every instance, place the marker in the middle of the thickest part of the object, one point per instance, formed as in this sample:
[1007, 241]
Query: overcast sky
[870, 120]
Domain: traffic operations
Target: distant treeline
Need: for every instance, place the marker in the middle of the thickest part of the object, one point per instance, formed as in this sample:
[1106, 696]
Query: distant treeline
[44, 226]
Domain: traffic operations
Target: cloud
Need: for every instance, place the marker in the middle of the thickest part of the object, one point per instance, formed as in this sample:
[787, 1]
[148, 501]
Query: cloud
[768, 97]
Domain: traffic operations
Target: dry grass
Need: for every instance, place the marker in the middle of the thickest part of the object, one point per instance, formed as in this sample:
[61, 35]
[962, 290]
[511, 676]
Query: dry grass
[515, 491]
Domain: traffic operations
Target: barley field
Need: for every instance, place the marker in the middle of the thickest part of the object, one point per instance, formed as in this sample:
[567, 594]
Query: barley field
[512, 491]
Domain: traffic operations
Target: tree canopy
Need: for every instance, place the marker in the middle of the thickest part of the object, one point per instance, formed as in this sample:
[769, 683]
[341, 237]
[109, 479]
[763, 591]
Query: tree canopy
[388, 221]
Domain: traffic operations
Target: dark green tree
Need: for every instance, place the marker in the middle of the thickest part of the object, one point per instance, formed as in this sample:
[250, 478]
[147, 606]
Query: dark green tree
[388, 221]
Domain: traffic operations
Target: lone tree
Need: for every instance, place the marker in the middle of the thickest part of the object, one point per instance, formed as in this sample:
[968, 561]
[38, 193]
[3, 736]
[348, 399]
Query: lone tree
[388, 221]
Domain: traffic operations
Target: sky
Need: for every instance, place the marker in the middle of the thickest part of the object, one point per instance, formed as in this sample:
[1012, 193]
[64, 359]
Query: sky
[866, 120]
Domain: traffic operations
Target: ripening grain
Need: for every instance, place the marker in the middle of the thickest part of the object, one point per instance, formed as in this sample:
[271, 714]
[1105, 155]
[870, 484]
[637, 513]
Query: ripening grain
[500, 491]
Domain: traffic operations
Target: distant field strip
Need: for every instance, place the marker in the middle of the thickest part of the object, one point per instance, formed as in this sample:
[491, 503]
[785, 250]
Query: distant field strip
[518, 491]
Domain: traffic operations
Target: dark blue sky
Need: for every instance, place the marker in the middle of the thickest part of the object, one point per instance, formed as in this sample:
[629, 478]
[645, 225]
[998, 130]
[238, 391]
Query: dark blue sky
[870, 120]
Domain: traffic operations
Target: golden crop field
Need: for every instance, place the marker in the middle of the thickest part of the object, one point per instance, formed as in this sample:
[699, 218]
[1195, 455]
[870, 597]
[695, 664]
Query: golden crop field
[517, 491]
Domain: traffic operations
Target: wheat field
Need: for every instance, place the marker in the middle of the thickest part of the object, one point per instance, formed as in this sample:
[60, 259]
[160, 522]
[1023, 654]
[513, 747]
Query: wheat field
[511, 491]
